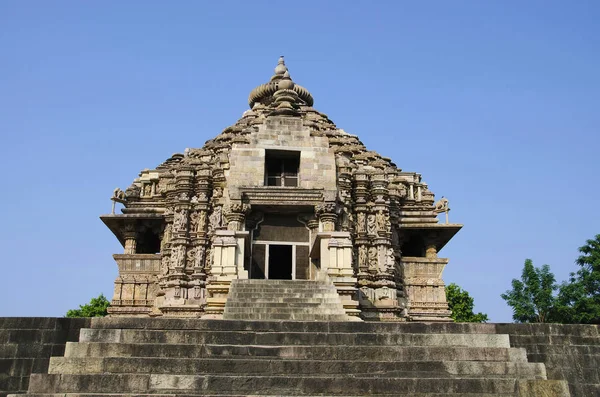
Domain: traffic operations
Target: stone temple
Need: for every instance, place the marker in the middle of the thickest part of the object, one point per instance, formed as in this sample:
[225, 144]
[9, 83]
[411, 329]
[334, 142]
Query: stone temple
[283, 194]
[245, 262]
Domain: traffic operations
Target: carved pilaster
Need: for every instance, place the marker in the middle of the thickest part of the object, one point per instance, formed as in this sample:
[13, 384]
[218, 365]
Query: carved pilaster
[327, 215]
[235, 215]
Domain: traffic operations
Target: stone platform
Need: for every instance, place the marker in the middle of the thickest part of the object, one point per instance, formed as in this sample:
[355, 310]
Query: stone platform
[138, 356]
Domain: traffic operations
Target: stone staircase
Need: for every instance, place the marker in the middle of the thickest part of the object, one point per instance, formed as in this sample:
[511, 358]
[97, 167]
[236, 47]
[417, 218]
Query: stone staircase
[300, 300]
[187, 357]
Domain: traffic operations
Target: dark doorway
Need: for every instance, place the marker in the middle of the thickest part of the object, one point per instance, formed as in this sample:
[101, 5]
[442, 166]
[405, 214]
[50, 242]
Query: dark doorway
[280, 262]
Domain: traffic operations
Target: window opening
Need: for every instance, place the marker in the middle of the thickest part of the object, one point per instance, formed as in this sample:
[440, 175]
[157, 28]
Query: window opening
[281, 168]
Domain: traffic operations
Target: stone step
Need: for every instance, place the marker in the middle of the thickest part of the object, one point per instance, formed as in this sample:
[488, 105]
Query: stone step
[287, 300]
[243, 295]
[245, 282]
[273, 304]
[285, 310]
[246, 395]
[305, 352]
[96, 365]
[284, 290]
[290, 338]
[168, 324]
[285, 316]
[285, 385]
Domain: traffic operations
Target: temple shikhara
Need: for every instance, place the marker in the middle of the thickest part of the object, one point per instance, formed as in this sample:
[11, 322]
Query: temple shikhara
[282, 194]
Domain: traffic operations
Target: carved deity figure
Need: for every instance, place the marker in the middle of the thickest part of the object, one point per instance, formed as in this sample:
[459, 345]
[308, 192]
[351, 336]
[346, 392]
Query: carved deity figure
[177, 256]
[390, 260]
[201, 221]
[199, 258]
[179, 221]
[373, 258]
[381, 221]
[164, 265]
[215, 218]
[371, 224]
[166, 237]
[360, 220]
[347, 220]
[362, 257]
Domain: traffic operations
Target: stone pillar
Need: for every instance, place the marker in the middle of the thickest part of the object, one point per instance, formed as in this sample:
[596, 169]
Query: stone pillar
[235, 215]
[129, 233]
[227, 264]
[327, 216]
[176, 284]
[335, 253]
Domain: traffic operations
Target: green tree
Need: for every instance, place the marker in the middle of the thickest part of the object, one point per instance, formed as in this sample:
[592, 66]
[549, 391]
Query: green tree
[579, 299]
[461, 304]
[532, 298]
[96, 308]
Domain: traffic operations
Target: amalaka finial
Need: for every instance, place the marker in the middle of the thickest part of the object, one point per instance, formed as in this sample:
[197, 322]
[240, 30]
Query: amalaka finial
[280, 68]
[286, 82]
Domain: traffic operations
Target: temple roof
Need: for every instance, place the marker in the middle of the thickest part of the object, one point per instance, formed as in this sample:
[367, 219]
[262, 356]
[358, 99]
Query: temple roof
[264, 93]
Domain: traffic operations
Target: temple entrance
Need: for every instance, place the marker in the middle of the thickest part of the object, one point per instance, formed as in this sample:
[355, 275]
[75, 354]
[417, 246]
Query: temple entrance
[280, 262]
[280, 249]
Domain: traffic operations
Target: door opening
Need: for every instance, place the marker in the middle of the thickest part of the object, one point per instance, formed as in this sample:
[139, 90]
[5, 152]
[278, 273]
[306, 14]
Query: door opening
[280, 262]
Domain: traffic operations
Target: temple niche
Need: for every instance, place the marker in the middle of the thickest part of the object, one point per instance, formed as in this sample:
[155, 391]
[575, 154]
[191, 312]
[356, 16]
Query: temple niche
[281, 194]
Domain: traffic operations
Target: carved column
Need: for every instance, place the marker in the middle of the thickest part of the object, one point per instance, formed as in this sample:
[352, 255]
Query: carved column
[198, 235]
[327, 216]
[176, 282]
[130, 232]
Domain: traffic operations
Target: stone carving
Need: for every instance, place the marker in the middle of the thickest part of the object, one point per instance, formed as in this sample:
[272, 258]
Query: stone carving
[164, 265]
[178, 256]
[390, 260]
[117, 197]
[118, 194]
[442, 206]
[180, 220]
[325, 208]
[380, 218]
[166, 237]
[201, 221]
[371, 224]
[215, 218]
[199, 257]
[373, 260]
[361, 222]
[217, 192]
[133, 191]
[362, 257]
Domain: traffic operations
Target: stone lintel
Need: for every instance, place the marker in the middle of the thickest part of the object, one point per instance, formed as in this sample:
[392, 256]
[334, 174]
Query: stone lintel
[278, 195]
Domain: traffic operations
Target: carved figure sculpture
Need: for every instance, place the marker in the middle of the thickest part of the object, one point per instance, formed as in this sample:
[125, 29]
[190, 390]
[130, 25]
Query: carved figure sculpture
[371, 224]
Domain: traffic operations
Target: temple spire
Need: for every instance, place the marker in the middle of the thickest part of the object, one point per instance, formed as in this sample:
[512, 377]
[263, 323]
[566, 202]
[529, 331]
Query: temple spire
[280, 69]
[265, 93]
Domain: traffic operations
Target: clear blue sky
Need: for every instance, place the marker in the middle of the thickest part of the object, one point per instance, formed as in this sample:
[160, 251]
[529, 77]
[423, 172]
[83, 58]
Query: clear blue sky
[496, 103]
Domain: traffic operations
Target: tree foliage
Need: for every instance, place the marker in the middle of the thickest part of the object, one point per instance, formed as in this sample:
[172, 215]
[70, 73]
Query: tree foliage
[532, 298]
[96, 308]
[461, 304]
[579, 299]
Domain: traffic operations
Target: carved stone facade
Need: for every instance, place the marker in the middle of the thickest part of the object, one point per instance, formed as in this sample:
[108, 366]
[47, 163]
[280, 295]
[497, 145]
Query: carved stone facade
[283, 193]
